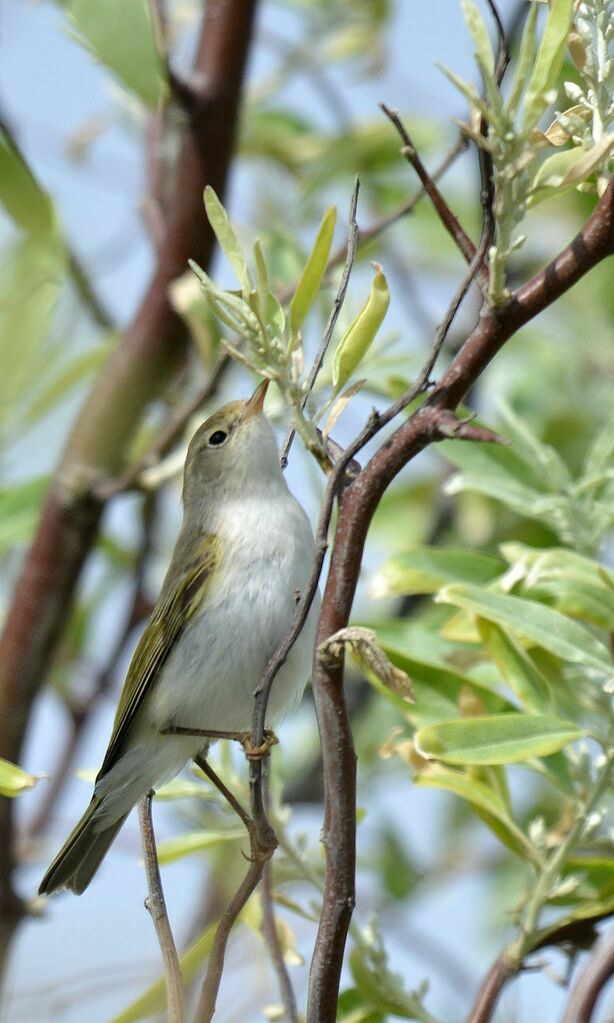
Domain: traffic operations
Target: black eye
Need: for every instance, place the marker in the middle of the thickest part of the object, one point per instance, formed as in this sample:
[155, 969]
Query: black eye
[217, 437]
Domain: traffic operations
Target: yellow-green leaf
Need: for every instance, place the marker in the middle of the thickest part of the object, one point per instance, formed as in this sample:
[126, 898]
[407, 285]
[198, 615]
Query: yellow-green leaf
[14, 780]
[549, 60]
[315, 268]
[484, 799]
[536, 622]
[362, 331]
[497, 739]
[154, 999]
[228, 241]
[195, 841]
[122, 36]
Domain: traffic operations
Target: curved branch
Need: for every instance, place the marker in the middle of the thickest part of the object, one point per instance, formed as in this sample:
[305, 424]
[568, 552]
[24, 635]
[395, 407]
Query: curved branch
[358, 503]
[591, 982]
[150, 352]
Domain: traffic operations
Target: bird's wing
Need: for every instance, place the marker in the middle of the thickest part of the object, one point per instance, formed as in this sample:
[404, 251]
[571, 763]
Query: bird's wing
[166, 624]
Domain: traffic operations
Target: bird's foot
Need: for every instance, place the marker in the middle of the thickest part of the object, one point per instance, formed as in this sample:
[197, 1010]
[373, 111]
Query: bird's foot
[251, 752]
[257, 752]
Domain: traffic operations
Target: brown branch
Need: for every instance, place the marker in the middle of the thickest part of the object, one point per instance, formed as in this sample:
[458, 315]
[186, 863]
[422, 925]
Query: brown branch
[448, 218]
[358, 503]
[156, 906]
[598, 972]
[269, 932]
[263, 843]
[149, 354]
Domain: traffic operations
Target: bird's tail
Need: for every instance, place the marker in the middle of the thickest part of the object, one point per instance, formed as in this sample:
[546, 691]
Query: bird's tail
[82, 853]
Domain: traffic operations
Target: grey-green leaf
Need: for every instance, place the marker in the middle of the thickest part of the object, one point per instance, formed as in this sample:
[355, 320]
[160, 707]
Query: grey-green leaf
[228, 241]
[313, 274]
[498, 739]
[533, 621]
[122, 36]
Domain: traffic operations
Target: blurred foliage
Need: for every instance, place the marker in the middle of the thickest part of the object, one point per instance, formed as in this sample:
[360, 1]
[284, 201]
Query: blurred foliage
[488, 571]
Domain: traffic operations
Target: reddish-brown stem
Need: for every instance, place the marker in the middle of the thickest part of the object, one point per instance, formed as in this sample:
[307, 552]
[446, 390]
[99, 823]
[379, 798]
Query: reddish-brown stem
[150, 352]
[359, 500]
[597, 973]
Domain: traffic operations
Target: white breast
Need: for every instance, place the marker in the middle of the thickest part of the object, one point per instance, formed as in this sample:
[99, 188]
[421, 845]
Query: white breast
[209, 680]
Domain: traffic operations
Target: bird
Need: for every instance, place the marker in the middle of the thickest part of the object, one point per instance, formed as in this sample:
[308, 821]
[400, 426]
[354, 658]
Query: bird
[242, 559]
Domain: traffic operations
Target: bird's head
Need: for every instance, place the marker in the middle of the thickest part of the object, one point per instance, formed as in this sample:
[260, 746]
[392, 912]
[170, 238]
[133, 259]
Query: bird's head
[234, 449]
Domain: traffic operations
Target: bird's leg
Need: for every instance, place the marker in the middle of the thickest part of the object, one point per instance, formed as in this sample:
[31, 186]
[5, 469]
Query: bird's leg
[230, 798]
[251, 752]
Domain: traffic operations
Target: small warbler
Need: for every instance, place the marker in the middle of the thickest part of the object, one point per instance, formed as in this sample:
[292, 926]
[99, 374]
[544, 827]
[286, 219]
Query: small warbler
[242, 559]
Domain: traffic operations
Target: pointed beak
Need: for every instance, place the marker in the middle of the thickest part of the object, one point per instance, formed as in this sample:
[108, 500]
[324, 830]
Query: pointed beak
[254, 405]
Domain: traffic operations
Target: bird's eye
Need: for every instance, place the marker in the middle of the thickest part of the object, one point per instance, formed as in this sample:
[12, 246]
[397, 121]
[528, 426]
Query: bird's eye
[217, 438]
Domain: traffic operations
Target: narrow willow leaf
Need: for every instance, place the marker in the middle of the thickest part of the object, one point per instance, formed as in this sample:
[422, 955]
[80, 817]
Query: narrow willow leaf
[516, 667]
[533, 621]
[601, 454]
[228, 241]
[517, 497]
[359, 336]
[154, 1001]
[549, 61]
[524, 64]
[591, 604]
[20, 193]
[427, 569]
[313, 274]
[543, 458]
[482, 798]
[535, 565]
[14, 780]
[196, 841]
[479, 34]
[262, 279]
[498, 739]
[439, 691]
[121, 35]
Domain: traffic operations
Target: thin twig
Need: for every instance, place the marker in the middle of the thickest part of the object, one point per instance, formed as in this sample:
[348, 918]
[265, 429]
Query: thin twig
[487, 188]
[269, 932]
[593, 243]
[448, 218]
[157, 908]
[596, 974]
[332, 319]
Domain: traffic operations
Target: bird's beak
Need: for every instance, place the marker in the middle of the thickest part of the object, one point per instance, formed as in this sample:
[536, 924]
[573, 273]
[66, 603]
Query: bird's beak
[254, 405]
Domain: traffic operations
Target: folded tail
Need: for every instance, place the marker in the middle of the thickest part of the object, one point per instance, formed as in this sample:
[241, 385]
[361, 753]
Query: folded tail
[82, 853]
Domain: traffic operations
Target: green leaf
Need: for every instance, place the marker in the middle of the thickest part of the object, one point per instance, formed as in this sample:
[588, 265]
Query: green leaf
[549, 61]
[516, 667]
[227, 239]
[153, 1000]
[427, 569]
[479, 34]
[533, 621]
[352, 1007]
[484, 799]
[535, 565]
[524, 63]
[14, 780]
[359, 336]
[20, 193]
[601, 454]
[498, 739]
[494, 461]
[313, 274]
[197, 841]
[122, 36]
[439, 691]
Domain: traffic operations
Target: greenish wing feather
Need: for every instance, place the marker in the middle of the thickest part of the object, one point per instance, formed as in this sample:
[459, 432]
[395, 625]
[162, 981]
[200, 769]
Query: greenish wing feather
[167, 622]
